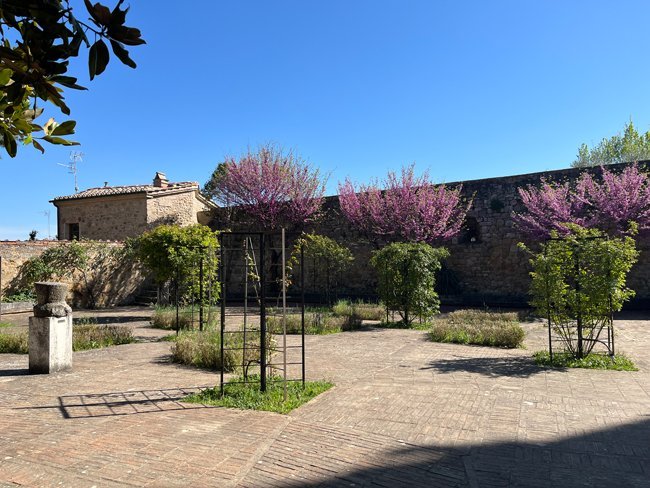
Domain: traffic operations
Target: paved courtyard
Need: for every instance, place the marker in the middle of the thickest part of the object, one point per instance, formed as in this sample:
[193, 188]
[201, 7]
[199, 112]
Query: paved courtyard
[404, 412]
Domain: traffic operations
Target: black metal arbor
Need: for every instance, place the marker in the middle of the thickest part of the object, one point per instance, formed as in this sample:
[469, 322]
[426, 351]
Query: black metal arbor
[253, 271]
[576, 326]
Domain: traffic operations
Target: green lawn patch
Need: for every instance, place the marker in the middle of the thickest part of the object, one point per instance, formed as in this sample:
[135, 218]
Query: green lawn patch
[478, 327]
[248, 396]
[164, 317]
[592, 361]
[5, 324]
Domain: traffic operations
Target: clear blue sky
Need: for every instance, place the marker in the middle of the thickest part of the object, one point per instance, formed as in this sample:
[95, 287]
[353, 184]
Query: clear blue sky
[465, 89]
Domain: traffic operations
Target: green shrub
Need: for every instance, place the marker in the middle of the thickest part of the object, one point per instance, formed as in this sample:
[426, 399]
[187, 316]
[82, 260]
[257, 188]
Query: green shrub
[358, 311]
[83, 337]
[14, 343]
[406, 278]
[316, 323]
[165, 317]
[96, 336]
[478, 327]
[578, 281]
[591, 361]
[203, 349]
[22, 296]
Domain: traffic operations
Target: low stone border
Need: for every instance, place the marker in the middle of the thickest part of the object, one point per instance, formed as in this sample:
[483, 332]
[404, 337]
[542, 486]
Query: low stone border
[16, 307]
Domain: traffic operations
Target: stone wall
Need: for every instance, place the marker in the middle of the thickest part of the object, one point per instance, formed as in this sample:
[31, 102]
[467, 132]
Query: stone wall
[485, 266]
[177, 207]
[114, 285]
[108, 218]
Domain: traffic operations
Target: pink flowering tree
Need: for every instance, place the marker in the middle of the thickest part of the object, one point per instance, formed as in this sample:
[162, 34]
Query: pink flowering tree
[608, 203]
[275, 189]
[408, 207]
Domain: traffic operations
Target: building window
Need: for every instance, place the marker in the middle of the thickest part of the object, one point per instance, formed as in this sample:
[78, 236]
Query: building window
[471, 232]
[72, 231]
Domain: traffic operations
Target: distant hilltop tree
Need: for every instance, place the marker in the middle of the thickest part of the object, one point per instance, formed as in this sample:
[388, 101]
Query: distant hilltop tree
[631, 146]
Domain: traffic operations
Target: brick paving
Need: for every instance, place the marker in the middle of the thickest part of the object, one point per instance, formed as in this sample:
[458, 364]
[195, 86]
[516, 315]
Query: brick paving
[404, 412]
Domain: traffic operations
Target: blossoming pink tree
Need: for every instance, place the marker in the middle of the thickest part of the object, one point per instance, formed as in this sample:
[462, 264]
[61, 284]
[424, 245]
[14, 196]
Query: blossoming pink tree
[274, 188]
[408, 207]
[609, 203]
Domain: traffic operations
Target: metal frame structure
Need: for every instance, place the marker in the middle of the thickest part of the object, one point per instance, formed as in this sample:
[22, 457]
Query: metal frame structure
[247, 253]
[564, 331]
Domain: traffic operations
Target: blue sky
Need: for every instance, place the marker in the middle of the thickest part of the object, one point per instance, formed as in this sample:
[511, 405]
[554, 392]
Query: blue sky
[465, 89]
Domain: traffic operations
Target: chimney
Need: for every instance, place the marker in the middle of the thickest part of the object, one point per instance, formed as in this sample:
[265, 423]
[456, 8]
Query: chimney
[160, 180]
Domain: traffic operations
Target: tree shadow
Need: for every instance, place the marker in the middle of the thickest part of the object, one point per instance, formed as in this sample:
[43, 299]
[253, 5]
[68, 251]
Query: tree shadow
[618, 456]
[514, 367]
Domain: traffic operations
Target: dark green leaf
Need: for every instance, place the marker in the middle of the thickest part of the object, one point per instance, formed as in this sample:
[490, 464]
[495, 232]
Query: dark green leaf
[69, 81]
[122, 54]
[98, 58]
[100, 13]
[64, 128]
[60, 140]
[36, 144]
[5, 76]
[10, 144]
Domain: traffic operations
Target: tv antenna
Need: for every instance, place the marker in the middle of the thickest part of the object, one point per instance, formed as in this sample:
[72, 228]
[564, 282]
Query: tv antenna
[75, 159]
[47, 214]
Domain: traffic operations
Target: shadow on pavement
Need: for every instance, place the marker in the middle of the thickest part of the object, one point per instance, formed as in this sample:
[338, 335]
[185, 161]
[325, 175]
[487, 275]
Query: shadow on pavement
[516, 367]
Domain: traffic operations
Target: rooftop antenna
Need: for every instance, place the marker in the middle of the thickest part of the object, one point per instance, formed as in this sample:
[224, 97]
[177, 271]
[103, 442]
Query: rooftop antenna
[47, 214]
[75, 158]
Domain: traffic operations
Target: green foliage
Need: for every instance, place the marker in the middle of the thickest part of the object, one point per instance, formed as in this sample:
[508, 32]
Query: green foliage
[316, 323]
[203, 349]
[478, 327]
[23, 296]
[14, 343]
[84, 263]
[39, 37]
[359, 310]
[591, 361]
[170, 249]
[578, 281]
[164, 317]
[83, 337]
[249, 397]
[325, 260]
[628, 147]
[407, 277]
[89, 336]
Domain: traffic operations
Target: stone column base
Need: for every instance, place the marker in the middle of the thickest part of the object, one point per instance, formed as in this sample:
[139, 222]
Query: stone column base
[50, 344]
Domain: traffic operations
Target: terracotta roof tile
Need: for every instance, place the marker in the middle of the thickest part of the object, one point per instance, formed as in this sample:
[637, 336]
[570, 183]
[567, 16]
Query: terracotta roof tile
[124, 190]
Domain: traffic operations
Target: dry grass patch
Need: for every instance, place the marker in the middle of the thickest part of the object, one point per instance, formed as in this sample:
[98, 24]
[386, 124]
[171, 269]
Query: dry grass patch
[478, 327]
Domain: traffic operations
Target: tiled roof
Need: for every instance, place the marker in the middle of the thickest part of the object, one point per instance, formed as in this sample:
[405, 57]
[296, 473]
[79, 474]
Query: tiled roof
[124, 190]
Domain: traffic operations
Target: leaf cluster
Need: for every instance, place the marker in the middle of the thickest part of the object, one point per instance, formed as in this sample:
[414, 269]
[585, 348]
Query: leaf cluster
[37, 40]
[620, 148]
[581, 279]
[407, 277]
[170, 251]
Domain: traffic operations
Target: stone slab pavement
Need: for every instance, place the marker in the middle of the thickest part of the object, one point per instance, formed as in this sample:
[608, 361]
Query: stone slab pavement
[404, 412]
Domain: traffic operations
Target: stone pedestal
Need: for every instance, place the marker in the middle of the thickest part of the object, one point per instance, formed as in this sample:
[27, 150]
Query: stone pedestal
[50, 330]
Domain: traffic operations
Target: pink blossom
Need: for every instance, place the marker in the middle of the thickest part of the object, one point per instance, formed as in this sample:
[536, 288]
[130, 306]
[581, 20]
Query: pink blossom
[408, 207]
[274, 188]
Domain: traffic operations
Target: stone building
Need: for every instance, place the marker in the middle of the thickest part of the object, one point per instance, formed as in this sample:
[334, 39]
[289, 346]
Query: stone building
[118, 212]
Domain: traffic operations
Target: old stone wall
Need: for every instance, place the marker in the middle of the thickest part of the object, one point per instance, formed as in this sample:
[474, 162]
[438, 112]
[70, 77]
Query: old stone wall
[111, 283]
[108, 218]
[178, 208]
[485, 266]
